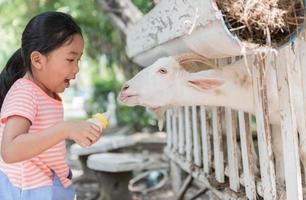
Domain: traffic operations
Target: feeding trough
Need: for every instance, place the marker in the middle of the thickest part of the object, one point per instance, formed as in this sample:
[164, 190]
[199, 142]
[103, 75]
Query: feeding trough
[263, 22]
[214, 28]
[245, 26]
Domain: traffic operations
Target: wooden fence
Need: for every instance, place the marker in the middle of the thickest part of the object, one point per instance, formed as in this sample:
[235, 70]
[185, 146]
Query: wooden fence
[221, 146]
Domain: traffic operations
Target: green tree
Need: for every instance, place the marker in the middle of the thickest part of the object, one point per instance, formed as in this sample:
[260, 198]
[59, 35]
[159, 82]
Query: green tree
[102, 35]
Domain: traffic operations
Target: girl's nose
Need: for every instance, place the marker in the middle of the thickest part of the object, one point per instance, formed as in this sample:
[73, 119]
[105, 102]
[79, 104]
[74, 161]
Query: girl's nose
[76, 69]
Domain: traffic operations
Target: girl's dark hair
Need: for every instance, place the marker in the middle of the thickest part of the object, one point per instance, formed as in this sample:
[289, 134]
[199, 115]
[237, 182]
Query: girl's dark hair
[44, 33]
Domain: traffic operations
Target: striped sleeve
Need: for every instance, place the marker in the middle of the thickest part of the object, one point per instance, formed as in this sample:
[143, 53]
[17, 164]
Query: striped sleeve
[19, 101]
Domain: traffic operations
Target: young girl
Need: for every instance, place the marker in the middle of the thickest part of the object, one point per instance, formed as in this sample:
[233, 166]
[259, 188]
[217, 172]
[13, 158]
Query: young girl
[32, 130]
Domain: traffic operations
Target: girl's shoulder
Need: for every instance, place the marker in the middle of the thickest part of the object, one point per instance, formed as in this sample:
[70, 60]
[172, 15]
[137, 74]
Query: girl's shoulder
[20, 100]
[24, 83]
[22, 87]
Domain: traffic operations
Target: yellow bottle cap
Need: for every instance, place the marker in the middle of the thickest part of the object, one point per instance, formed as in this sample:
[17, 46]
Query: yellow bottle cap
[103, 120]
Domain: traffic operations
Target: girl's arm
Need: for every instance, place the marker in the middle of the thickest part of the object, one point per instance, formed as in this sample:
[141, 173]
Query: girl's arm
[18, 145]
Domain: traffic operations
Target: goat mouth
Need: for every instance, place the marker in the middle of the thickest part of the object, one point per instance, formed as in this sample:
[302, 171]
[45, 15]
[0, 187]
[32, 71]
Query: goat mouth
[154, 108]
[124, 98]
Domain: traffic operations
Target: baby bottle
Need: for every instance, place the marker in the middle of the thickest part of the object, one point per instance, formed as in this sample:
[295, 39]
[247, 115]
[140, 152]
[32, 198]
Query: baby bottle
[100, 119]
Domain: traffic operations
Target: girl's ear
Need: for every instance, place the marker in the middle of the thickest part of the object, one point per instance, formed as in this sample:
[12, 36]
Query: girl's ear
[36, 60]
[206, 84]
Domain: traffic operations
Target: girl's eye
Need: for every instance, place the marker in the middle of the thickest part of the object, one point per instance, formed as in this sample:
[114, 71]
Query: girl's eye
[162, 71]
[70, 60]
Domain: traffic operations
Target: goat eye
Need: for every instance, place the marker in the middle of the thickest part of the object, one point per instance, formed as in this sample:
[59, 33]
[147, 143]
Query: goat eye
[162, 71]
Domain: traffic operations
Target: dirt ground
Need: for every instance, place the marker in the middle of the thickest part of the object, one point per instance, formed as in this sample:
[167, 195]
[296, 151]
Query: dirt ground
[89, 190]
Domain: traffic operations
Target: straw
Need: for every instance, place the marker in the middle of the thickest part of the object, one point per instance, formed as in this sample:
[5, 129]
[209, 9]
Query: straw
[263, 22]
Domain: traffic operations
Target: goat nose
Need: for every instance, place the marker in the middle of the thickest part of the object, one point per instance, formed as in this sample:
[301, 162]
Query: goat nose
[125, 87]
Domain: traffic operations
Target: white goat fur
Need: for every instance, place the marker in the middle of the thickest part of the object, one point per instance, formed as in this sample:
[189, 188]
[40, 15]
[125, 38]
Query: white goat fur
[229, 86]
[165, 83]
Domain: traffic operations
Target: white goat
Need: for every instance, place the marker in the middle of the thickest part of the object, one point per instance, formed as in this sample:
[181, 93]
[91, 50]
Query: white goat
[165, 84]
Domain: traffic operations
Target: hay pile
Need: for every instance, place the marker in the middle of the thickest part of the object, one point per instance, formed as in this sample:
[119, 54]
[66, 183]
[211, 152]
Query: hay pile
[263, 22]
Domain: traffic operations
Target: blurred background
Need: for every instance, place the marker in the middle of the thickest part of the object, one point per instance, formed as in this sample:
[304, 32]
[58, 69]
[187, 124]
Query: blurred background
[104, 65]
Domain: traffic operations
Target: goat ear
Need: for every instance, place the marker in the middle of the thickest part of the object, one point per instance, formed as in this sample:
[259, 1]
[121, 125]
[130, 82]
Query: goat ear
[206, 84]
[189, 57]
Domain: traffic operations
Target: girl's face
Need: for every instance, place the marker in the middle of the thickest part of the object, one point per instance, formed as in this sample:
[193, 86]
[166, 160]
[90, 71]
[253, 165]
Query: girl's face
[60, 66]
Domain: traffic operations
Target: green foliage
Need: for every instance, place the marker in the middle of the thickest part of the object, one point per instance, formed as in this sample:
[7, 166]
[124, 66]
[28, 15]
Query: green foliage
[136, 116]
[144, 5]
[101, 89]
[100, 36]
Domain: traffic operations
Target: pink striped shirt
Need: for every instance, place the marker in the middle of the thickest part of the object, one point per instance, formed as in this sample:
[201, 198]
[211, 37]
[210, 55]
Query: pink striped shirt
[26, 99]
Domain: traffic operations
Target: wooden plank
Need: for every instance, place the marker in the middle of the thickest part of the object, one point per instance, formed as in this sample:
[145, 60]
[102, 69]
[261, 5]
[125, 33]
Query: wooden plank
[176, 175]
[169, 129]
[286, 86]
[188, 134]
[246, 152]
[174, 131]
[196, 138]
[209, 130]
[218, 144]
[300, 106]
[204, 181]
[255, 157]
[206, 146]
[181, 131]
[232, 154]
[231, 139]
[263, 128]
[184, 188]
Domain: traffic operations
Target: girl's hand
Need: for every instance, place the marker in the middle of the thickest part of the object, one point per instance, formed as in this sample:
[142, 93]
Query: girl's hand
[83, 133]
